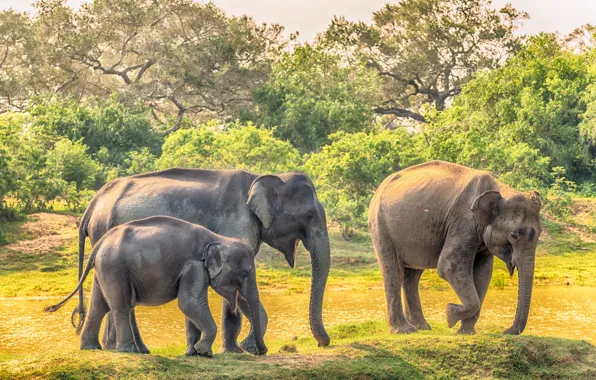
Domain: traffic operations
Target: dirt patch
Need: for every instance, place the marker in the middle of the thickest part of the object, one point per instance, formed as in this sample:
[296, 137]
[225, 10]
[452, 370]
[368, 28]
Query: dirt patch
[46, 232]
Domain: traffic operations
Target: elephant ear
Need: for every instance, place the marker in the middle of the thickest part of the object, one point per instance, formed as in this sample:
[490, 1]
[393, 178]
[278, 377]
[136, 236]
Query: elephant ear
[262, 198]
[486, 207]
[212, 258]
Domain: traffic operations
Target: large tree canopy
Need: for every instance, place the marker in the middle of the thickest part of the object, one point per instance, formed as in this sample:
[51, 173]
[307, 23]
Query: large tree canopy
[310, 95]
[179, 56]
[526, 119]
[425, 51]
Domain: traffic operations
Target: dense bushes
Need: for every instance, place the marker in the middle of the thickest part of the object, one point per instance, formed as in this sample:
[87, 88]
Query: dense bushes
[347, 171]
[235, 146]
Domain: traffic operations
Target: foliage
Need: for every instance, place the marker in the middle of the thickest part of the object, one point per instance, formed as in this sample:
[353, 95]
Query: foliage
[522, 120]
[312, 94]
[256, 149]
[178, 56]
[111, 128]
[348, 171]
[425, 51]
[558, 201]
[239, 146]
[70, 162]
[140, 162]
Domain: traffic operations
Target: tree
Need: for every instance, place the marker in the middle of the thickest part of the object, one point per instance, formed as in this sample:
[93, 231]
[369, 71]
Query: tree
[70, 162]
[15, 42]
[178, 56]
[311, 95]
[111, 127]
[256, 149]
[522, 120]
[425, 51]
[347, 172]
[237, 147]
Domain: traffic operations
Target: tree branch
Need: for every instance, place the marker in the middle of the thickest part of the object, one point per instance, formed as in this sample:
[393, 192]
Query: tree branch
[399, 112]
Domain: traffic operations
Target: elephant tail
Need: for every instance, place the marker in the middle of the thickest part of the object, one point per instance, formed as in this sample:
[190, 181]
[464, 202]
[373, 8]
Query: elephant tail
[53, 308]
[81, 310]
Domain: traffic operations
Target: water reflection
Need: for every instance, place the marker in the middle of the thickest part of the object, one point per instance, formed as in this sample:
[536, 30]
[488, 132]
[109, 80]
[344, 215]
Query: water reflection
[566, 312]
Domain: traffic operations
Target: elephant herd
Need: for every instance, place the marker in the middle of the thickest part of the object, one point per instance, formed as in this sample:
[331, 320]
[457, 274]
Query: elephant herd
[171, 234]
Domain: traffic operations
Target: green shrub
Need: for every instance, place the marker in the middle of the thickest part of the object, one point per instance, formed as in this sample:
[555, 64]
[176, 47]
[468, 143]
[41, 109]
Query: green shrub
[348, 171]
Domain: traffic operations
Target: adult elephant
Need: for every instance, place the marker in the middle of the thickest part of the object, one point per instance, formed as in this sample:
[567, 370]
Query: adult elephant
[280, 210]
[447, 216]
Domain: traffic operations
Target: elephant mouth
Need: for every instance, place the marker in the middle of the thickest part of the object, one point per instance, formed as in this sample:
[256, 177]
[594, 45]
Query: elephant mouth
[506, 255]
[510, 267]
[291, 252]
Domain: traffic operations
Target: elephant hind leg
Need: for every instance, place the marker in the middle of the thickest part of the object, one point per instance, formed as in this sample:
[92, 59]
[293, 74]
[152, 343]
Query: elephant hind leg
[109, 333]
[137, 334]
[414, 313]
[483, 269]
[97, 310]
[392, 270]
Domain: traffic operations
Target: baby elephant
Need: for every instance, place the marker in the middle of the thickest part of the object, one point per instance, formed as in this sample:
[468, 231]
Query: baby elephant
[155, 260]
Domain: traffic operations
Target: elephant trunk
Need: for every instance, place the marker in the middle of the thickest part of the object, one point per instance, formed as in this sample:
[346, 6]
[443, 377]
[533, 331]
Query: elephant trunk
[525, 270]
[251, 293]
[320, 260]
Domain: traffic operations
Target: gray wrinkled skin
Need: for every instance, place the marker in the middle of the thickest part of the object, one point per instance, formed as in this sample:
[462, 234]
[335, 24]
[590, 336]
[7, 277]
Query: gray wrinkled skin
[156, 260]
[280, 210]
[456, 219]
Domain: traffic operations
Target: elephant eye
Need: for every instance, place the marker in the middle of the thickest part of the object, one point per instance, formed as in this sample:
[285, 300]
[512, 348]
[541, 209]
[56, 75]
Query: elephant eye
[514, 236]
[309, 216]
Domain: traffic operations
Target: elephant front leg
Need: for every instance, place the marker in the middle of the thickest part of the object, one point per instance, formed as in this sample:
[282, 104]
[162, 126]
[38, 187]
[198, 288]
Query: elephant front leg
[249, 344]
[193, 335]
[483, 270]
[197, 310]
[231, 323]
[456, 267]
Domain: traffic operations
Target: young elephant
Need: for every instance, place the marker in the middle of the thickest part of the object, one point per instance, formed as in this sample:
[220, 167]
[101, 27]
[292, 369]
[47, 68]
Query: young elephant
[155, 260]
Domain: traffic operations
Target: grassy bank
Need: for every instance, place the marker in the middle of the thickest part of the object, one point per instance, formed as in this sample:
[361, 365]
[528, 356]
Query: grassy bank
[39, 258]
[364, 351]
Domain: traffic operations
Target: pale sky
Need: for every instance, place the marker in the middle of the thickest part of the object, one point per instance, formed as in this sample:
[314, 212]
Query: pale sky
[310, 17]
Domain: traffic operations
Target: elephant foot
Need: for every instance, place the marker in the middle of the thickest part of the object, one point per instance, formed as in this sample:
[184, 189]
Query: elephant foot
[249, 345]
[204, 349]
[130, 348]
[142, 348]
[109, 345]
[420, 324]
[452, 314]
[191, 351]
[466, 330]
[91, 346]
[512, 331]
[423, 326]
[233, 349]
[404, 328]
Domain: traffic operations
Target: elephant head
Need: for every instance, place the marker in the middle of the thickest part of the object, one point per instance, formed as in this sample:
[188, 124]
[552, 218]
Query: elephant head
[290, 212]
[231, 271]
[511, 227]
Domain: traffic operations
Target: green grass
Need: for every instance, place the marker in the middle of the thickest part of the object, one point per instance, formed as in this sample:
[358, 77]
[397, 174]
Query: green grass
[363, 350]
[566, 255]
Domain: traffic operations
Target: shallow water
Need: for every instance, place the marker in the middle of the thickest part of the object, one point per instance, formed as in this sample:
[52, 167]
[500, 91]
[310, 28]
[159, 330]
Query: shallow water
[566, 312]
